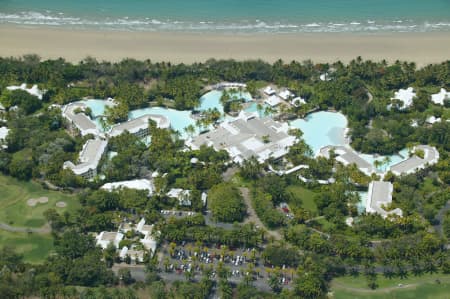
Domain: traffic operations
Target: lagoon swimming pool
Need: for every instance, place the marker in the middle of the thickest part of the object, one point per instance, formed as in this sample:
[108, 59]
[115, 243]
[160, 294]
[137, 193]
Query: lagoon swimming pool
[179, 120]
[393, 159]
[322, 128]
[211, 100]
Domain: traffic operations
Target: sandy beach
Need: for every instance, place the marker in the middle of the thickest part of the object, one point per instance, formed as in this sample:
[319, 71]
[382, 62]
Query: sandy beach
[75, 45]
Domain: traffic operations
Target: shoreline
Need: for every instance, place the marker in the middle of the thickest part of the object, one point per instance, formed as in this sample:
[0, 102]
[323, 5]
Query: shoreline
[179, 47]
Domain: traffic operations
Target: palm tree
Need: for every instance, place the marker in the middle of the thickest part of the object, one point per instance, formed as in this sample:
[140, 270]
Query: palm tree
[190, 130]
[377, 163]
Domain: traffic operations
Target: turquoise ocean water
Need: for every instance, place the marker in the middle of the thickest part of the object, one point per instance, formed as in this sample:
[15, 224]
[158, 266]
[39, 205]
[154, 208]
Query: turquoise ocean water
[233, 16]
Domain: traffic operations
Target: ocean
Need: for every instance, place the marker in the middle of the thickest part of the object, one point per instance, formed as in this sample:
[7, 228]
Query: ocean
[232, 16]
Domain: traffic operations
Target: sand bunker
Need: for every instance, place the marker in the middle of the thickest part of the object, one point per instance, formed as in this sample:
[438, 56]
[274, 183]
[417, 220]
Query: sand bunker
[42, 199]
[61, 204]
[34, 201]
[31, 202]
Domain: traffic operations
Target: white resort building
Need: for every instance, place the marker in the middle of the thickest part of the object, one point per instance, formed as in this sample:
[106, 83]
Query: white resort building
[298, 101]
[139, 184]
[247, 136]
[78, 120]
[380, 196]
[347, 156]
[415, 163]
[105, 238]
[34, 90]
[269, 91]
[406, 96]
[94, 149]
[273, 101]
[439, 98]
[285, 94]
[140, 126]
[89, 159]
[183, 196]
[3, 134]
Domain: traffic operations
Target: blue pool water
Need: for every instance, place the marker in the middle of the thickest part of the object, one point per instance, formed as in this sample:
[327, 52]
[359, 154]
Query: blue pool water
[254, 108]
[179, 120]
[393, 159]
[361, 205]
[211, 100]
[97, 106]
[322, 128]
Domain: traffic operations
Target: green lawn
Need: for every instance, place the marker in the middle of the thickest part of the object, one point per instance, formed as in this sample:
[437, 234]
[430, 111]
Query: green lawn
[424, 286]
[14, 210]
[34, 247]
[303, 198]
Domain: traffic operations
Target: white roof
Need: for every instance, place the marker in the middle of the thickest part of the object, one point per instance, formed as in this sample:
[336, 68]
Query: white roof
[80, 120]
[269, 90]
[273, 101]
[440, 97]
[34, 90]
[380, 194]
[433, 119]
[140, 184]
[324, 77]
[298, 101]
[89, 157]
[406, 96]
[3, 132]
[106, 238]
[285, 94]
[180, 194]
[140, 123]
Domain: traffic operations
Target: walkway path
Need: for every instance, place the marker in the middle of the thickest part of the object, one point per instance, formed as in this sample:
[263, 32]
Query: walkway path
[41, 230]
[370, 96]
[253, 217]
[440, 217]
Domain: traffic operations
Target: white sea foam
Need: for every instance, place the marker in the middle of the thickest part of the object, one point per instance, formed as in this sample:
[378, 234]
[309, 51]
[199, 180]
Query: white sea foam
[50, 18]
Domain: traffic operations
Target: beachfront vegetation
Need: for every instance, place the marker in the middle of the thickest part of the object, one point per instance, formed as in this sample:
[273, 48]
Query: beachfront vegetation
[302, 225]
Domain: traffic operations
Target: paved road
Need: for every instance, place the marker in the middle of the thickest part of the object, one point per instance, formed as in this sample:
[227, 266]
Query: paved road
[42, 230]
[253, 217]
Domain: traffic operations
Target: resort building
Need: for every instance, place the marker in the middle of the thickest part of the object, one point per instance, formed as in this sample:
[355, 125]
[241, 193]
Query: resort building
[379, 197]
[273, 101]
[433, 119]
[298, 101]
[285, 94]
[89, 159]
[140, 126]
[325, 77]
[223, 85]
[136, 256]
[105, 238]
[34, 90]
[3, 134]
[269, 91]
[414, 163]
[147, 241]
[347, 156]
[441, 97]
[406, 96]
[247, 136]
[140, 184]
[183, 196]
[73, 112]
